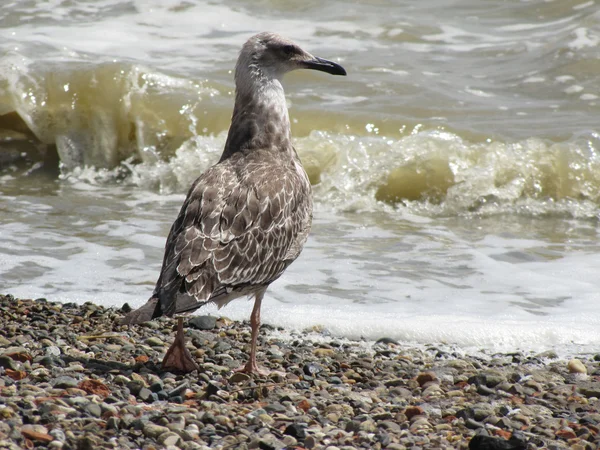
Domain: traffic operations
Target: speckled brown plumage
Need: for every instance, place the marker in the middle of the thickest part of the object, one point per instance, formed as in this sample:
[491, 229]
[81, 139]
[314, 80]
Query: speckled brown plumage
[246, 219]
[243, 222]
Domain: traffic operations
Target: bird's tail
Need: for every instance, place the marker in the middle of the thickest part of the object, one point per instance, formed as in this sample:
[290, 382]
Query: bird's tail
[143, 313]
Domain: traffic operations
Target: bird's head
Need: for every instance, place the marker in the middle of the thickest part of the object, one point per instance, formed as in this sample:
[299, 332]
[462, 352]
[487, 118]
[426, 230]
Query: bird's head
[271, 55]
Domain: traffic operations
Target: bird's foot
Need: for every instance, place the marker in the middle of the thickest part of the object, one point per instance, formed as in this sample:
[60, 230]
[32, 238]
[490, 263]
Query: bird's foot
[179, 358]
[251, 368]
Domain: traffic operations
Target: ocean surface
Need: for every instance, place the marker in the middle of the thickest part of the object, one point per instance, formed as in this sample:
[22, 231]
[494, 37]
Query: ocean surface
[456, 170]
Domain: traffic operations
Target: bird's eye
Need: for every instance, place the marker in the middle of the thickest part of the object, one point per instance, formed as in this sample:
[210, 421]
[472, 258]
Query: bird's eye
[289, 50]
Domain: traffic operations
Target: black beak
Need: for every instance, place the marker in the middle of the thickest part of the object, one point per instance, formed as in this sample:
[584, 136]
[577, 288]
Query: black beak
[324, 66]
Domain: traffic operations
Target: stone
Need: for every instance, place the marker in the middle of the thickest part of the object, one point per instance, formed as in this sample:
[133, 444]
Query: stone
[153, 431]
[112, 423]
[146, 395]
[135, 386]
[88, 442]
[310, 442]
[589, 389]
[239, 377]
[154, 342]
[395, 446]
[203, 322]
[369, 426]
[64, 382]
[179, 390]
[425, 377]
[576, 366]
[548, 354]
[323, 352]
[473, 424]
[8, 363]
[289, 441]
[168, 438]
[312, 369]
[412, 411]
[484, 390]
[37, 433]
[58, 434]
[53, 350]
[94, 410]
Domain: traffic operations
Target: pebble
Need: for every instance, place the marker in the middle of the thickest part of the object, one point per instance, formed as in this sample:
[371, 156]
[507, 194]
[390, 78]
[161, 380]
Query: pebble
[168, 438]
[203, 322]
[93, 409]
[152, 430]
[576, 366]
[332, 394]
[154, 342]
[65, 382]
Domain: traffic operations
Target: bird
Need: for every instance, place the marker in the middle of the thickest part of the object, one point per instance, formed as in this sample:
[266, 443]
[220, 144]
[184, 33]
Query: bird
[246, 218]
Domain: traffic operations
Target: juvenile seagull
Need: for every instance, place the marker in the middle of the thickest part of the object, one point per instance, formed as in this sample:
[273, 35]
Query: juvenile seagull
[246, 219]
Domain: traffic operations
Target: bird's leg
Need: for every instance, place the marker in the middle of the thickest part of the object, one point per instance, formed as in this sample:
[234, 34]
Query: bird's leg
[251, 366]
[178, 357]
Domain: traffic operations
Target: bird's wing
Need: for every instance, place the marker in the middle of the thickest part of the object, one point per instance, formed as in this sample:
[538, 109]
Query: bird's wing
[237, 229]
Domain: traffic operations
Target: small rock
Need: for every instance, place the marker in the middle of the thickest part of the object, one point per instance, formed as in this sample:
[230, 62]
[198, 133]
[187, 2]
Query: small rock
[135, 386]
[395, 446]
[289, 441]
[473, 424]
[36, 433]
[58, 434]
[64, 382]
[152, 430]
[239, 377]
[53, 350]
[412, 411]
[8, 363]
[311, 369]
[93, 410]
[51, 361]
[146, 395]
[576, 366]
[425, 377]
[154, 342]
[222, 347]
[310, 442]
[157, 386]
[590, 389]
[389, 426]
[368, 426]
[88, 442]
[168, 438]
[203, 322]
[295, 430]
[549, 354]
[323, 352]
[484, 390]
[112, 423]
[179, 390]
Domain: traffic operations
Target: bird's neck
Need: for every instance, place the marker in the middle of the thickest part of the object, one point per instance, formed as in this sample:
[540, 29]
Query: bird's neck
[260, 118]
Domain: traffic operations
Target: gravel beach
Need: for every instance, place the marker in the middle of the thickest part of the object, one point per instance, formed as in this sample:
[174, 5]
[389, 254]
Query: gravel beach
[71, 377]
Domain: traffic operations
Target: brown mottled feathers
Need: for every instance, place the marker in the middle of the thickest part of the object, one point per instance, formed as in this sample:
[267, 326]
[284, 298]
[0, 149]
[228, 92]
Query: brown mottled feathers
[242, 224]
